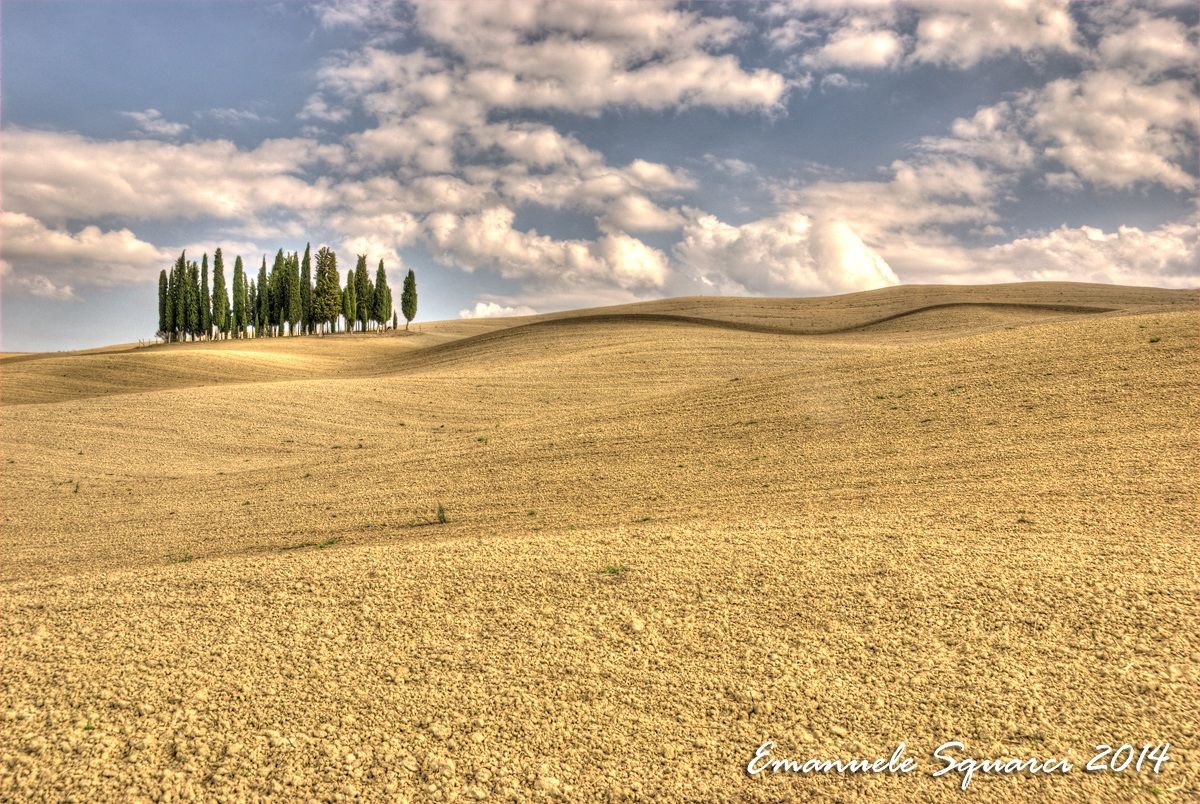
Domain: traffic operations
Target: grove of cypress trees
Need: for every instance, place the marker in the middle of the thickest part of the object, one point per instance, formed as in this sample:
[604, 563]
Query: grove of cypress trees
[239, 298]
[164, 321]
[408, 298]
[362, 292]
[292, 298]
[220, 297]
[306, 292]
[327, 298]
[205, 299]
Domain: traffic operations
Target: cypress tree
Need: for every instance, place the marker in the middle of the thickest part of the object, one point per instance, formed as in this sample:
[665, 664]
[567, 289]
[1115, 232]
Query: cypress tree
[408, 298]
[205, 299]
[247, 301]
[383, 297]
[294, 305]
[239, 298]
[362, 292]
[395, 320]
[349, 304]
[275, 292]
[252, 307]
[306, 292]
[193, 300]
[164, 322]
[179, 297]
[327, 298]
[220, 297]
[262, 316]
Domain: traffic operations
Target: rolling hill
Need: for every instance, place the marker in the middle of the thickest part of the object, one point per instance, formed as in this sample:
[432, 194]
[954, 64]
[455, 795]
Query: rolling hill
[675, 530]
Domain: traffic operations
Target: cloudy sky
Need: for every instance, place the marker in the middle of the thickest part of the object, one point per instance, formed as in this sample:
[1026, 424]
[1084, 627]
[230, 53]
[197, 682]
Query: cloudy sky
[532, 155]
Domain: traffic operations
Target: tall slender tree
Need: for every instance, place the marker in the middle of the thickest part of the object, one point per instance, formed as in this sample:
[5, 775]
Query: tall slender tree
[248, 301]
[383, 298]
[349, 305]
[205, 299]
[252, 307]
[179, 297]
[164, 320]
[408, 298]
[239, 298]
[362, 292]
[294, 302]
[262, 320]
[327, 298]
[306, 292]
[193, 300]
[220, 296]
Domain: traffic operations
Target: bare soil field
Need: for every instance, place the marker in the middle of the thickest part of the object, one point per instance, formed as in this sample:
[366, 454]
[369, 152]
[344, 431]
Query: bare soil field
[675, 530]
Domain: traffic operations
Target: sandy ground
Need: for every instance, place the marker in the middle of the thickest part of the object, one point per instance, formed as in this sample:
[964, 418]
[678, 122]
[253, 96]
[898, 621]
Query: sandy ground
[668, 541]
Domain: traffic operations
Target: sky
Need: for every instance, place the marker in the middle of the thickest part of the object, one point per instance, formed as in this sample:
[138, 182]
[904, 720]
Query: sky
[535, 155]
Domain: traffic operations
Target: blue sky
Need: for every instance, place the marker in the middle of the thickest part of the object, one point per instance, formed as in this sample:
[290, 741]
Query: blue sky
[538, 155]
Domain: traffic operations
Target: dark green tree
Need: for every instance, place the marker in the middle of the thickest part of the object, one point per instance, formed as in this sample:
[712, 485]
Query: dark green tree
[293, 301]
[348, 302]
[327, 298]
[306, 292]
[179, 297]
[395, 320]
[193, 301]
[383, 297]
[205, 299]
[262, 319]
[362, 292]
[220, 296]
[252, 306]
[408, 298]
[239, 298]
[164, 315]
[248, 301]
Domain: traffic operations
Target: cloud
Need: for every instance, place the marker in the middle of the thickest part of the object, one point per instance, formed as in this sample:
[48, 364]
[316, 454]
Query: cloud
[991, 135]
[488, 309]
[857, 45]
[933, 192]
[57, 176]
[834, 81]
[1165, 257]
[1108, 127]
[565, 55]
[1168, 256]
[636, 213]
[488, 239]
[153, 123]
[964, 34]
[380, 20]
[788, 253]
[876, 34]
[230, 116]
[1148, 46]
[731, 166]
[1114, 131]
[52, 263]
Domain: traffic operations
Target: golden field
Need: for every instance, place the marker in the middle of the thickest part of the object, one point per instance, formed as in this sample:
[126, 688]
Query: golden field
[675, 530]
